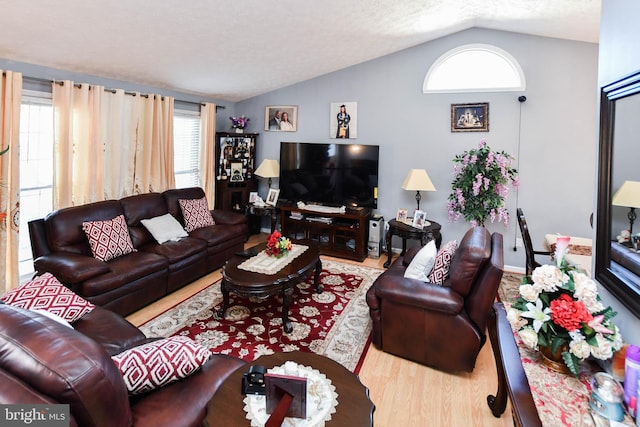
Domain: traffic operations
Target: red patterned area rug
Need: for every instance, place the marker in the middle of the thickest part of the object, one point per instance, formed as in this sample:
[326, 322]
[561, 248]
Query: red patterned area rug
[335, 323]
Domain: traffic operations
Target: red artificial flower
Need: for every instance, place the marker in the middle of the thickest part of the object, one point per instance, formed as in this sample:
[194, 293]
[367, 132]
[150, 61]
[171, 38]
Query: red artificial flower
[569, 314]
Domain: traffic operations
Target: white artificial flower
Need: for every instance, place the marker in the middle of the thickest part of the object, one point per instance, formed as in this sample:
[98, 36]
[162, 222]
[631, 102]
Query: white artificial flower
[537, 313]
[513, 316]
[529, 292]
[586, 291]
[581, 349]
[549, 277]
[529, 337]
[604, 349]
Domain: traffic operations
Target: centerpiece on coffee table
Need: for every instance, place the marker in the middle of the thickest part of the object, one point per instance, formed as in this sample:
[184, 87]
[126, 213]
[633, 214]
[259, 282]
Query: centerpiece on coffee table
[278, 245]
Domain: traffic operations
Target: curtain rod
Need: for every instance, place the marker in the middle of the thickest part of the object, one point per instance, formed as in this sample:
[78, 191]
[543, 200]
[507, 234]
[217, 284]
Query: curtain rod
[144, 95]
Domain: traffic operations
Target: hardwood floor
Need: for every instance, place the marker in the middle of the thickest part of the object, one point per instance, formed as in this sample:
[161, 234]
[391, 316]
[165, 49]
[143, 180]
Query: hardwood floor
[405, 393]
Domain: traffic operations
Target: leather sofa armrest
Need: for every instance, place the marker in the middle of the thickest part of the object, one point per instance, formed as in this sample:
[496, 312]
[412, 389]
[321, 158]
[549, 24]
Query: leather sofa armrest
[416, 293]
[69, 267]
[228, 217]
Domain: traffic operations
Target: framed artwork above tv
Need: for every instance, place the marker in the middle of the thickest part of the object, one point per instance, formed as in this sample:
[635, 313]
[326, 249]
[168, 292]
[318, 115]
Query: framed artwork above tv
[281, 118]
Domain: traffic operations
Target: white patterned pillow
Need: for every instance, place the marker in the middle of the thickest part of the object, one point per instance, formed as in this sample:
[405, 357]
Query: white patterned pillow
[443, 261]
[45, 292]
[196, 213]
[158, 363]
[109, 239]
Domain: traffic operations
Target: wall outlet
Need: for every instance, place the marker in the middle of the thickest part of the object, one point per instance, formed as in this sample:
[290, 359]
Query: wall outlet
[518, 242]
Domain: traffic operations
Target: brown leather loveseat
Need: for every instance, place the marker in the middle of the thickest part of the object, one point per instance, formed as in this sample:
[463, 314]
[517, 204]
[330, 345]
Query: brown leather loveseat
[132, 281]
[442, 326]
[44, 362]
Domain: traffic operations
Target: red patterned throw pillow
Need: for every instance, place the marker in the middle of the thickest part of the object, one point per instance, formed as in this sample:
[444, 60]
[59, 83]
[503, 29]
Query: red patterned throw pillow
[158, 363]
[443, 261]
[109, 239]
[45, 292]
[196, 213]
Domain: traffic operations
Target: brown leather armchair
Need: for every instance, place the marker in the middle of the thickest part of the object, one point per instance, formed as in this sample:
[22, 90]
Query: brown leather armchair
[439, 326]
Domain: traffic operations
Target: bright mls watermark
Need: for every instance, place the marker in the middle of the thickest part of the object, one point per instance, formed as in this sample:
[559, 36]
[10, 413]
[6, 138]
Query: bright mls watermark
[34, 415]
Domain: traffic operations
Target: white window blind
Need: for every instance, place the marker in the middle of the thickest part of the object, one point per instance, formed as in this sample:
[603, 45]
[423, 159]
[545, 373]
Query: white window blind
[186, 144]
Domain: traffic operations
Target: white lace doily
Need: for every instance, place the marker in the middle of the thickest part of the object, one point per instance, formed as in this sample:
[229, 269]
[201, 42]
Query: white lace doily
[266, 264]
[322, 399]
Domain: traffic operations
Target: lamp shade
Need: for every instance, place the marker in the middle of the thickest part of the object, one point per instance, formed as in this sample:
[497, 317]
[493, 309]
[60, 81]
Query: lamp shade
[418, 180]
[269, 168]
[628, 195]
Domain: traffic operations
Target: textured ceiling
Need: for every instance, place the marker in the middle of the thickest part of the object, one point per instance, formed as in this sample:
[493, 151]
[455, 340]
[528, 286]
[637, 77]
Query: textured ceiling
[233, 50]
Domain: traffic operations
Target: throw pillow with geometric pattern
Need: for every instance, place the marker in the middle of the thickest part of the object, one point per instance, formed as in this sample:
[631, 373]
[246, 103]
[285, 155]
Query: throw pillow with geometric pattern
[196, 213]
[158, 363]
[443, 261]
[45, 292]
[109, 239]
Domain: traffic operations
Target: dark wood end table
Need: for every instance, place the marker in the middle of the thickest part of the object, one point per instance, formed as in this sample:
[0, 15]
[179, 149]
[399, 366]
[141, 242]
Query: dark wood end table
[406, 231]
[250, 284]
[355, 408]
[260, 211]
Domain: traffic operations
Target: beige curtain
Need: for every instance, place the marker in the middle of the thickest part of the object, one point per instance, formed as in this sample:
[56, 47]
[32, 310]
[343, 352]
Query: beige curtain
[10, 98]
[77, 156]
[207, 152]
[154, 169]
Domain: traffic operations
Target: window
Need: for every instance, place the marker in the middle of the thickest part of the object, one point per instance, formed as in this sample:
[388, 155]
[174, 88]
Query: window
[36, 169]
[474, 68]
[186, 146]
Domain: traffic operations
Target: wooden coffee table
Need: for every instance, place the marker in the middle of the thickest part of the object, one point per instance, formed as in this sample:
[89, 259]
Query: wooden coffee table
[355, 408]
[249, 284]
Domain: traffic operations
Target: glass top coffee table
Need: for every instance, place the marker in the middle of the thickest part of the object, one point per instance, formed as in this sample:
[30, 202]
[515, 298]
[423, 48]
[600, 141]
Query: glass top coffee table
[249, 284]
[355, 408]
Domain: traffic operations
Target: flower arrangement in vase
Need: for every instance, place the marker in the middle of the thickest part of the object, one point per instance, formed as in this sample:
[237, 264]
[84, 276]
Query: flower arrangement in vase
[480, 185]
[239, 123]
[278, 245]
[559, 311]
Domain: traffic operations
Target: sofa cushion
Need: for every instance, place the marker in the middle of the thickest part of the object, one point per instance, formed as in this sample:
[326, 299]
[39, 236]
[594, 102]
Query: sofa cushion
[422, 263]
[164, 228]
[108, 239]
[155, 364]
[196, 213]
[443, 262]
[45, 292]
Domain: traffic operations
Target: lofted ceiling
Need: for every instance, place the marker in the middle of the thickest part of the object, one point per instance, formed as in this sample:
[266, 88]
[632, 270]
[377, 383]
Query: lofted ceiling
[236, 49]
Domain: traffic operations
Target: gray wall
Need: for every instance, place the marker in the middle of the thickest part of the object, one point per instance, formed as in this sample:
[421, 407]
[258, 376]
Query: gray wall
[558, 135]
[619, 56]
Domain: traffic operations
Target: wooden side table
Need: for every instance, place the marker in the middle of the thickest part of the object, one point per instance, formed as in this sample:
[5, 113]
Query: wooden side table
[405, 231]
[260, 211]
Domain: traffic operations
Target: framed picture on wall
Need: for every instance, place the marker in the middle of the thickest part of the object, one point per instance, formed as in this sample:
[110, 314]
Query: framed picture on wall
[281, 118]
[344, 120]
[470, 117]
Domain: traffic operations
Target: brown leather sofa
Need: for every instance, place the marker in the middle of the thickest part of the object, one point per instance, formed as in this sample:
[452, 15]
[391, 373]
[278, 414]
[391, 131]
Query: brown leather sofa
[130, 282]
[439, 326]
[44, 362]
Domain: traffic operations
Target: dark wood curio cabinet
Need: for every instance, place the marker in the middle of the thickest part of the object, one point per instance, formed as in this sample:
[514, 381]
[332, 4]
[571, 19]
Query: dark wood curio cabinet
[235, 166]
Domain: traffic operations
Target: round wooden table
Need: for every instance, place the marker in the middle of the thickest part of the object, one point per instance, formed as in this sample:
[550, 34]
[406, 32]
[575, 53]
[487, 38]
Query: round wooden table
[355, 408]
[249, 284]
[406, 231]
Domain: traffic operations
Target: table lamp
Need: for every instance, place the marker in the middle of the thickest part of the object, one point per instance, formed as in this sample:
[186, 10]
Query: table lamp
[417, 181]
[269, 168]
[628, 195]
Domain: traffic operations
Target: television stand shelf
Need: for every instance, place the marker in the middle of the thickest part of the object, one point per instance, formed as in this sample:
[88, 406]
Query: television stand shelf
[342, 235]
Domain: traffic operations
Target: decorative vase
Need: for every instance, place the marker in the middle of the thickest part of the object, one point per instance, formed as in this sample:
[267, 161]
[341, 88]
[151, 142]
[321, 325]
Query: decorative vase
[553, 360]
[238, 130]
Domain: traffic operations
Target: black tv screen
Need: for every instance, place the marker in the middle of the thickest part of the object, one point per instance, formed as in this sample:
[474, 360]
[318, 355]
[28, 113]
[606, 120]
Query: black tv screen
[329, 174]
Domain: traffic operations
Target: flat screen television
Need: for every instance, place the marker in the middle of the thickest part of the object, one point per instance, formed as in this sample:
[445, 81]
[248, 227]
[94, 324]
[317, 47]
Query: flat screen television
[329, 174]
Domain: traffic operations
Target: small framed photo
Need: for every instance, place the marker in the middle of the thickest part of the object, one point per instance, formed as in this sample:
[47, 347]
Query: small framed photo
[419, 219]
[272, 197]
[402, 215]
[281, 118]
[344, 120]
[470, 117]
[236, 172]
[253, 196]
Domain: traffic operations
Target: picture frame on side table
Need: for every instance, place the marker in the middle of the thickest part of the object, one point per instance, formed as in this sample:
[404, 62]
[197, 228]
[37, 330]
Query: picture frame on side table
[470, 117]
[419, 219]
[272, 197]
[402, 215]
[273, 118]
[253, 196]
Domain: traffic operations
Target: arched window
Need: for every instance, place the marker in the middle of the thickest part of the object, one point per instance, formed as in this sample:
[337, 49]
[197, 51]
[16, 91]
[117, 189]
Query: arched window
[474, 68]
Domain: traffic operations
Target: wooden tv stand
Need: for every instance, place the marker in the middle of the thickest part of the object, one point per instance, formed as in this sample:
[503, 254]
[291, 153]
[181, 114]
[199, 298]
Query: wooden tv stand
[344, 237]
